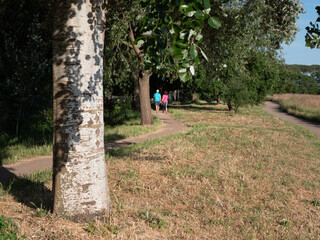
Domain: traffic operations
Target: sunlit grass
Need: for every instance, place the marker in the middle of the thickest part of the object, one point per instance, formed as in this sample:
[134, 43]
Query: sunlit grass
[130, 128]
[230, 176]
[301, 105]
[16, 150]
[13, 150]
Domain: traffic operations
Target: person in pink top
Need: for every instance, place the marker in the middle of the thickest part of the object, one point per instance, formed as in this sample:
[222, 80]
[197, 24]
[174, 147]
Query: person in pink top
[165, 101]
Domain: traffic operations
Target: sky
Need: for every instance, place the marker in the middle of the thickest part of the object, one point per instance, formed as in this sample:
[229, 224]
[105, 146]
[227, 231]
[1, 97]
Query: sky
[296, 52]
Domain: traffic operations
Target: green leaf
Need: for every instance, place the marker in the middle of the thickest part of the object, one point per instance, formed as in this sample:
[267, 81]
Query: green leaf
[204, 55]
[181, 44]
[177, 53]
[192, 70]
[182, 70]
[184, 76]
[193, 51]
[214, 22]
[185, 64]
[196, 61]
[199, 14]
[207, 4]
[191, 13]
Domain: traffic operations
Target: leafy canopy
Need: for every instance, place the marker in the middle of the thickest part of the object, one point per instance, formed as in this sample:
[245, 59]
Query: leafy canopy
[171, 34]
[313, 33]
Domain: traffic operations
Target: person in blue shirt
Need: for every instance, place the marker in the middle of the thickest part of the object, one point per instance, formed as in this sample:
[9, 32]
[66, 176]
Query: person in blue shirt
[157, 99]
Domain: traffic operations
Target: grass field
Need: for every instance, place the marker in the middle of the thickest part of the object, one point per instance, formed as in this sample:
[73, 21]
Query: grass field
[301, 105]
[13, 150]
[230, 176]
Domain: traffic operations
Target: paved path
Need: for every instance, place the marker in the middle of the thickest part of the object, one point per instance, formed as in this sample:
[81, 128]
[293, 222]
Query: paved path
[274, 109]
[28, 166]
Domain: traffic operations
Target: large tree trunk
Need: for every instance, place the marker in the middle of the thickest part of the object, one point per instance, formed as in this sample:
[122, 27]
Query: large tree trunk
[145, 106]
[144, 86]
[79, 169]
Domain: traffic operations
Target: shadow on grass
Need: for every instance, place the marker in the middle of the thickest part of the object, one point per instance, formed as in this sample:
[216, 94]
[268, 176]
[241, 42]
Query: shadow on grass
[32, 193]
[12, 144]
[133, 153]
[113, 137]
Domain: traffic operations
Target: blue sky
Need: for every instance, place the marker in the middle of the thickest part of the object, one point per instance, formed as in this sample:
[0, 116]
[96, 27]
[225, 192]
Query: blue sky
[296, 52]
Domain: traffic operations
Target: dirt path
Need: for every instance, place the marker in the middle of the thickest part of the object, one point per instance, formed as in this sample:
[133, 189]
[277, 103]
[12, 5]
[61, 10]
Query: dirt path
[169, 126]
[274, 109]
[28, 166]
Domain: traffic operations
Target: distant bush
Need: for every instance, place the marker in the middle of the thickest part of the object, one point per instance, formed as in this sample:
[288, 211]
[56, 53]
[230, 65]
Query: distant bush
[120, 112]
[235, 95]
[39, 126]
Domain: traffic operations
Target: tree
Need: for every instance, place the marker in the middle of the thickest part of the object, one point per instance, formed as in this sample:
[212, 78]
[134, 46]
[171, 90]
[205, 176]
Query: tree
[121, 71]
[246, 44]
[313, 33]
[25, 68]
[290, 81]
[164, 36]
[79, 169]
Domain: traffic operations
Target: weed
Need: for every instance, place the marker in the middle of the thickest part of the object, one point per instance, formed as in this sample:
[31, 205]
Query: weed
[113, 229]
[5, 190]
[187, 229]
[40, 211]
[95, 230]
[284, 222]
[91, 228]
[153, 221]
[8, 229]
[315, 202]
[213, 222]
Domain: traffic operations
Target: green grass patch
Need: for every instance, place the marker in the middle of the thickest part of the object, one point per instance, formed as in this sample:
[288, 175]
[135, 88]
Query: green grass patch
[14, 150]
[130, 128]
[8, 229]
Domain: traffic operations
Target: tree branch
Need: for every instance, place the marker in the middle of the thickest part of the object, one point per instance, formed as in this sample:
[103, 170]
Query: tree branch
[132, 39]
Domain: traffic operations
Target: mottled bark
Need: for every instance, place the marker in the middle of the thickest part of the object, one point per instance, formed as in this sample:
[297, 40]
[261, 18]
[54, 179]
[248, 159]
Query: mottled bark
[79, 170]
[145, 106]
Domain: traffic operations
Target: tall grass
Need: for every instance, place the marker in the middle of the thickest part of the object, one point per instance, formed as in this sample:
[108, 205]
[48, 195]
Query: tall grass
[301, 105]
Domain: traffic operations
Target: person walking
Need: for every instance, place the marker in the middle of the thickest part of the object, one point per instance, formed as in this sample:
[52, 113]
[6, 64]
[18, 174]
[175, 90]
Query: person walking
[157, 99]
[165, 101]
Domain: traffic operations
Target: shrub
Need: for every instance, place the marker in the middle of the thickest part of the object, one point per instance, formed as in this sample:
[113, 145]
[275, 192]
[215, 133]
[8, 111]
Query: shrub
[120, 112]
[236, 94]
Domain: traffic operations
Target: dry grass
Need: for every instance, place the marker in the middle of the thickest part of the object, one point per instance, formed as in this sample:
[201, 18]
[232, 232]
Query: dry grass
[300, 105]
[244, 176]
